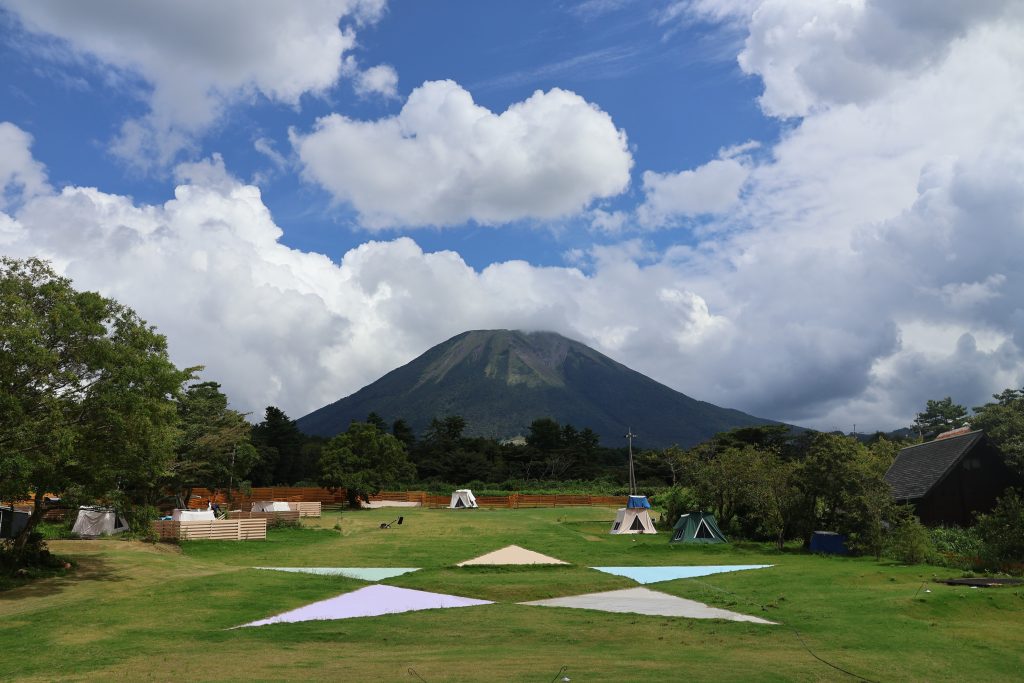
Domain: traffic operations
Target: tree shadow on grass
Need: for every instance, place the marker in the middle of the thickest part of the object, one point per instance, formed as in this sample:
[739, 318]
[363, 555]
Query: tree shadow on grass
[85, 569]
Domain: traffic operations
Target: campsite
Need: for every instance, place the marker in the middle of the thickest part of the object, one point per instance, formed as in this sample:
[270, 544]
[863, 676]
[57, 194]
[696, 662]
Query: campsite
[140, 611]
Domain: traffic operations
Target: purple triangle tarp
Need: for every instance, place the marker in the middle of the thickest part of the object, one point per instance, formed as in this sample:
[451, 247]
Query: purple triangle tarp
[371, 601]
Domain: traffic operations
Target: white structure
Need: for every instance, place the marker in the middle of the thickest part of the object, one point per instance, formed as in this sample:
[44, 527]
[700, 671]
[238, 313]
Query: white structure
[270, 506]
[634, 518]
[192, 515]
[463, 498]
[94, 521]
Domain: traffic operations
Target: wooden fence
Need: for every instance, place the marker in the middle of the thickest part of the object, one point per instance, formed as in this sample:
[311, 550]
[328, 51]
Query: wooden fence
[524, 500]
[401, 496]
[311, 508]
[216, 529]
[292, 494]
[283, 515]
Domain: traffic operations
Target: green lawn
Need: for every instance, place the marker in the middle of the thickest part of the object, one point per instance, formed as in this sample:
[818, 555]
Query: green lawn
[132, 611]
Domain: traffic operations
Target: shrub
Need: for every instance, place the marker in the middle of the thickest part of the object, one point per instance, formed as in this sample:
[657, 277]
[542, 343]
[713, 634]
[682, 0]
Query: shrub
[140, 521]
[1002, 531]
[676, 501]
[956, 547]
[909, 542]
[281, 523]
[29, 559]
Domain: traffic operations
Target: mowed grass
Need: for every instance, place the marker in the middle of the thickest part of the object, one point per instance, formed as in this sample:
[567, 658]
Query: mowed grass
[133, 611]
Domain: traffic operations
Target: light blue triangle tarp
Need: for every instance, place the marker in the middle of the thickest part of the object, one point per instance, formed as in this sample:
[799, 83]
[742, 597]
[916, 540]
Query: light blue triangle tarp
[361, 573]
[656, 574]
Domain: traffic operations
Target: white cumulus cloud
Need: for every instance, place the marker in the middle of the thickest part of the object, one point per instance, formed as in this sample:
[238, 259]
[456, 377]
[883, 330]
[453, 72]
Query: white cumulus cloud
[709, 189]
[444, 160]
[378, 80]
[21, 176]
[199, 57]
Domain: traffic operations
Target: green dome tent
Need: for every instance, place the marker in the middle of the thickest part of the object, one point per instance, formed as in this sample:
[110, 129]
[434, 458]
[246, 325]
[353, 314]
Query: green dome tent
[697, 527]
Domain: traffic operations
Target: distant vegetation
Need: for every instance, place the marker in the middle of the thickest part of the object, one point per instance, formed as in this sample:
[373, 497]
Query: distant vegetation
[92, 410]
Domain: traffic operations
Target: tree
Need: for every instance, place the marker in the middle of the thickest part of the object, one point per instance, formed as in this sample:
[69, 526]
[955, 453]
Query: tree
[86, 391]
[545, 435]
[940, 416]
[364, 460]
[401, 430]
[280, 444]
[671, 459]
[377, 421]
[214, 448]
[1002, 530]
[1003, 422]
[447, 430]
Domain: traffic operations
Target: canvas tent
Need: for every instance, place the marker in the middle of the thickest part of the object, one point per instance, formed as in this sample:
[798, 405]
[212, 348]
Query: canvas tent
[98, 521]
[463, 498]
[634, 518]
[270, 506]
[697, 527]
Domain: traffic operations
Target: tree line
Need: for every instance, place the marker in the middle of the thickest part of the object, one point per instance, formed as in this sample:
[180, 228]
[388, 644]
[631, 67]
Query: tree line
[92, 408]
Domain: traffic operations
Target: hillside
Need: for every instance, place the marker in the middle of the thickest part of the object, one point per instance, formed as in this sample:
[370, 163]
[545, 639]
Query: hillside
[502, 380]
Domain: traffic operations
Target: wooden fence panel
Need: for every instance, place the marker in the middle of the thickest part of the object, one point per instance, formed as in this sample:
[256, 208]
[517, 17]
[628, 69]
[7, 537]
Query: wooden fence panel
[284, 515]
[217, 529]
[202, 497]
[492, 501]
[400, 496]
[310, 508]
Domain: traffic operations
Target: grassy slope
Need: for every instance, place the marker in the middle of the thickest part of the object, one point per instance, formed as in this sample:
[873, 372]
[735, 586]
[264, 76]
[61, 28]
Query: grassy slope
[137, 612]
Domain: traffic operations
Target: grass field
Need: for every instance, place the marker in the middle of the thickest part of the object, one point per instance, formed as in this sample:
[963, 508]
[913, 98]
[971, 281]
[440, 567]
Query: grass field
[132, 611]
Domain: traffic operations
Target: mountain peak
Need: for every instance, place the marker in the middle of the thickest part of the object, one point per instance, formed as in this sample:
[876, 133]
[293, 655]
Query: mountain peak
[502, 380]
[514, 357]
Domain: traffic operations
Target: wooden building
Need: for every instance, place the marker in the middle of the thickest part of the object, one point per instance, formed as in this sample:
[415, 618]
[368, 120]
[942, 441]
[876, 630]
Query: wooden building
[950, 479]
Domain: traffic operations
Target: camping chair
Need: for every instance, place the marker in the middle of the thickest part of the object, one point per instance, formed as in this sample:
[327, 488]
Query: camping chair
[387, 525]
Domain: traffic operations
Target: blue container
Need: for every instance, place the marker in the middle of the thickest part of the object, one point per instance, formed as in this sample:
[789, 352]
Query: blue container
[829, 543]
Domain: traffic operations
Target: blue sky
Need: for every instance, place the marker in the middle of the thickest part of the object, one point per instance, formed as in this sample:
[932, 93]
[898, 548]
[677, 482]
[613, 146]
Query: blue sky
[763, 204]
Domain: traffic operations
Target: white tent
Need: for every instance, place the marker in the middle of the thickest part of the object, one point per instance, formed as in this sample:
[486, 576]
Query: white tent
[96, 521]
[633, 521]
[634, 518]
[463, 498]
[192, 515]
[270, 506]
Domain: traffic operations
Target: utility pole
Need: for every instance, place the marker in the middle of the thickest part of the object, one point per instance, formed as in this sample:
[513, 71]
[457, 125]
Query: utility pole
[632, 477]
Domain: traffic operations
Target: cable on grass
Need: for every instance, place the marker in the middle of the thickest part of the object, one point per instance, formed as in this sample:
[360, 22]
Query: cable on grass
[412, 672]
[793, 629]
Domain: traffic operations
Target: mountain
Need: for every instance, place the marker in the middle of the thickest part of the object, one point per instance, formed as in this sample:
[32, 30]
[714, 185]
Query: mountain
[502, 380]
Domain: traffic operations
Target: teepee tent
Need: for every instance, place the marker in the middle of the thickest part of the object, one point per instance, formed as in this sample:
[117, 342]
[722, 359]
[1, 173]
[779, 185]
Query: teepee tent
[697, 527]
[463, 498]
[634, 518]
[98, 521]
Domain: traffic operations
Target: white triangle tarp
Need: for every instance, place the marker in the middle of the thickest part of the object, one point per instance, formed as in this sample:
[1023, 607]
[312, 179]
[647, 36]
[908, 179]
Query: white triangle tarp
[511, 554]
[656, 574]
[371, 601]
[646, 601]
[362, 573]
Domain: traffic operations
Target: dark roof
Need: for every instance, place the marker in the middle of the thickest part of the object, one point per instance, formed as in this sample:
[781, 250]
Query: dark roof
[918, 468]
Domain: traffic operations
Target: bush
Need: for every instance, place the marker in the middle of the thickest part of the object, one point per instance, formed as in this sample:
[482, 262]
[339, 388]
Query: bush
[676, 501]
[956, 547]
[31, 561]
[140, 521]
[909, 542]
[1002, 532]
[281, 523]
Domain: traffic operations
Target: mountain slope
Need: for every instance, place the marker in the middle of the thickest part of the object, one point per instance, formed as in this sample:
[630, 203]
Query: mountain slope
[502, 380]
